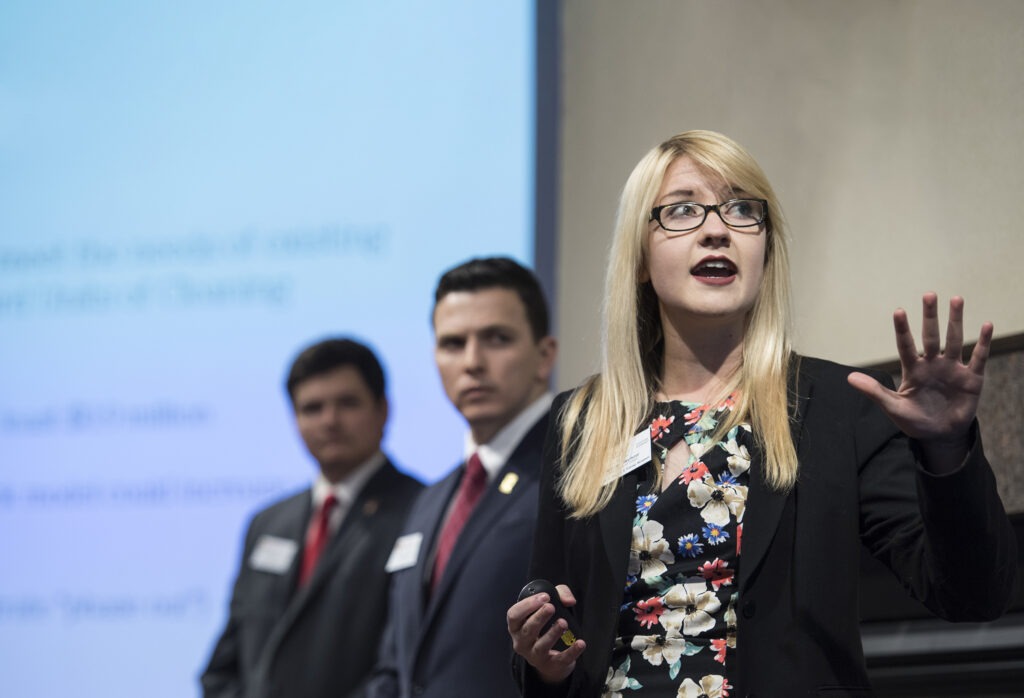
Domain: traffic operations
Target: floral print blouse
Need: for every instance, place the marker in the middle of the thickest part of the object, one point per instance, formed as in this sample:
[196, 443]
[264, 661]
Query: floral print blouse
[677, 622]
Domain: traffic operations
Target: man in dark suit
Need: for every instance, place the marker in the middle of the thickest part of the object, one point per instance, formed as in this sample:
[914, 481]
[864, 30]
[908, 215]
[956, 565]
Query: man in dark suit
[465, 548]
[308, 604]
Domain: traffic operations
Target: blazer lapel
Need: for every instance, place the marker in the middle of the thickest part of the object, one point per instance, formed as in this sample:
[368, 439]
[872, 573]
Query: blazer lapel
[616, 522]
[488, 510]
[345, 547]
[523, 466]
[433, 516]
[347, 543]
[297, 532]
[286, 592]
[766, 504]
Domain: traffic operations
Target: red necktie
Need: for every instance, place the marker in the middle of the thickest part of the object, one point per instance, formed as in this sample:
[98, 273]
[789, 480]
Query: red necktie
[316, 539]
[474, 482]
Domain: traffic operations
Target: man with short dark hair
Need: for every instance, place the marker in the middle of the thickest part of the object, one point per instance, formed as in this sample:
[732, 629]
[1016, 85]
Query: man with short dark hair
[464, 552]
[307, 607]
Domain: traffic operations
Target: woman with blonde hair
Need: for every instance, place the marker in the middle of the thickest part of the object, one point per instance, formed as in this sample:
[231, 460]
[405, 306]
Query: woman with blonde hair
[705, 436]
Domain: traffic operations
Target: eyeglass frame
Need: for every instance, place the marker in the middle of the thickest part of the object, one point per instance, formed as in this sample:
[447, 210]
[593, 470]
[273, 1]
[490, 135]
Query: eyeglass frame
[655, 215]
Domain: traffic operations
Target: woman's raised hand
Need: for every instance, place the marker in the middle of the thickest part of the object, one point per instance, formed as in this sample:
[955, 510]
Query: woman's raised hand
[938, 395]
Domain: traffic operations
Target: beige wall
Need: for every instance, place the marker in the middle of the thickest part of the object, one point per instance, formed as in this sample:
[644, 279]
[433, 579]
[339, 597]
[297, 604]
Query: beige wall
[889, 128]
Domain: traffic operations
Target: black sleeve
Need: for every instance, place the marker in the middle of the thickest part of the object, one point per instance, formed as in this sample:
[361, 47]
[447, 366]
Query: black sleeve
[946, 537]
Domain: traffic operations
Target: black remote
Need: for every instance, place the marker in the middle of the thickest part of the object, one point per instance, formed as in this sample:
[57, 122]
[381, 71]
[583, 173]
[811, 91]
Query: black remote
[543, 586]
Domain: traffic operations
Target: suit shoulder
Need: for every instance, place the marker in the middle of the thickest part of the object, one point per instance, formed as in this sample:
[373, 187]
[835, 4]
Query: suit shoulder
[284, 504]
[441, 484]
[406, 487]
[281, 512]
[821, 368]
[398, 477]
[528, 453]
[830, 372]
[562, 398]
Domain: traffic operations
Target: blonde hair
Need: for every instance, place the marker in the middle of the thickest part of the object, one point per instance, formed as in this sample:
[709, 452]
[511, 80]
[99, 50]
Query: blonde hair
[609, 408]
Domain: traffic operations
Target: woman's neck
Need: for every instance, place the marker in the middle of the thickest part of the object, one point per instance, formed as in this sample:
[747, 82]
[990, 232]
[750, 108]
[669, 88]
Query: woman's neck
[697, 365]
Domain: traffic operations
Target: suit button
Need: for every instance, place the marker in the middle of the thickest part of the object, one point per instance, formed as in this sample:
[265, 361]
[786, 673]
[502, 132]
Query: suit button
[749, 609]
[418, 690]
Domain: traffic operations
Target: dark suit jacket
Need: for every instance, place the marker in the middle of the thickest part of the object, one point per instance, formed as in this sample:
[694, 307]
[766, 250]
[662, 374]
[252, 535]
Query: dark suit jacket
[320, 640]
[946, 538]
[455, 643]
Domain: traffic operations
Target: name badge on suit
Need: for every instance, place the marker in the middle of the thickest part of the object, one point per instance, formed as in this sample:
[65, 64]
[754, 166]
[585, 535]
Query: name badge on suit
[273, 554]
[405, 553]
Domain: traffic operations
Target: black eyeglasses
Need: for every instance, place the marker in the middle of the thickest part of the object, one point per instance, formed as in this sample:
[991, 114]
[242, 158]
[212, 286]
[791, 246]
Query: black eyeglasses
[735, 213]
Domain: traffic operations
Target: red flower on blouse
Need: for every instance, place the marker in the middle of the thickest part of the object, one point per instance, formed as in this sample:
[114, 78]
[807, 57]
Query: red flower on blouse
[696, 471]
[716, 573]
[660, 425]
[694, 416]
[719, 647]
[649, 610]
[739, 538]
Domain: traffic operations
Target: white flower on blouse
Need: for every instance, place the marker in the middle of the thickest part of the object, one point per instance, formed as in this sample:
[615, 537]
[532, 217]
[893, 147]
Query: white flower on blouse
[739, 457]
[698, 449]
[717, 499]
[650, 553]
[711, 686]
[618, 680]
[668, 648]
[691, 608]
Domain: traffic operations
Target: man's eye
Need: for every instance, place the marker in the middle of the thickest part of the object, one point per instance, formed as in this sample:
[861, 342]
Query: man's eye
[498, 338]
[450, 344]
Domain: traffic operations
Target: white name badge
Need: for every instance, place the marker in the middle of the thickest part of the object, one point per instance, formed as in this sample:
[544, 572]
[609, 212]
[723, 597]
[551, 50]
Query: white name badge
[405, 553]
[638, 453]
[273, 554]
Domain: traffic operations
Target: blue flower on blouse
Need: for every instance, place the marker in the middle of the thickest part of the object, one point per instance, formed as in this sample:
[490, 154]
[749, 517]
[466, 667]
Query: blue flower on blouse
[727, 478]
[715, 534]
[690, 545]
[644, 503]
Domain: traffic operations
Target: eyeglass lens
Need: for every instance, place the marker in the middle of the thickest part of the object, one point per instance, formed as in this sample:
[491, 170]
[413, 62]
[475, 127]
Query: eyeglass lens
[738, 213]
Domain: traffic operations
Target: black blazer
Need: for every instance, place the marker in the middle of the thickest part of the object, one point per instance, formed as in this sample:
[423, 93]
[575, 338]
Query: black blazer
[455, 643]
[319, 641]
[947, 538]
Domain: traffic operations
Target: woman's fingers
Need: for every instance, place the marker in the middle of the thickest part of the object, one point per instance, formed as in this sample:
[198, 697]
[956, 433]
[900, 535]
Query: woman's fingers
[979, 356]
[905, 346]
[955, 329]
[930, 325]
[521, 615]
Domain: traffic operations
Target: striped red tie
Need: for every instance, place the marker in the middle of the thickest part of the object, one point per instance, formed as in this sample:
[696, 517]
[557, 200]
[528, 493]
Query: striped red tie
[474, 482]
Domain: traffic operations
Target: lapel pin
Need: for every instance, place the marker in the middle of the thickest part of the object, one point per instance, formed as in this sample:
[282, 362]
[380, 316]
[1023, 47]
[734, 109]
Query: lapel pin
[508, 483]
[370, 507]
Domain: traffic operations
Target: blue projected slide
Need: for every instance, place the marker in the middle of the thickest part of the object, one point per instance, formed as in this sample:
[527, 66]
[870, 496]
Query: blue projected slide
[190, 192]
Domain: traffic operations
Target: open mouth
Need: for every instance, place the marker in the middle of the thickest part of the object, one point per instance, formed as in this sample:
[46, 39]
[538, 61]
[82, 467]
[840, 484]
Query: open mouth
[714, 268]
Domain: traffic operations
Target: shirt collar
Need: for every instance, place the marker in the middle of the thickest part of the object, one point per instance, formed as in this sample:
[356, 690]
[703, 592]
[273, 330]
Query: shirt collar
[496, 452]
[347, 489]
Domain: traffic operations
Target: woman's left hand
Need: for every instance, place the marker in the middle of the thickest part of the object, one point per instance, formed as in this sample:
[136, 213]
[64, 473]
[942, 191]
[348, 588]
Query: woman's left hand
[938, 395]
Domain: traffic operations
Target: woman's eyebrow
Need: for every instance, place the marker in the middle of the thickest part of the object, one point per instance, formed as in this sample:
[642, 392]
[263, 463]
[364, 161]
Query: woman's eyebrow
[678, 192]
